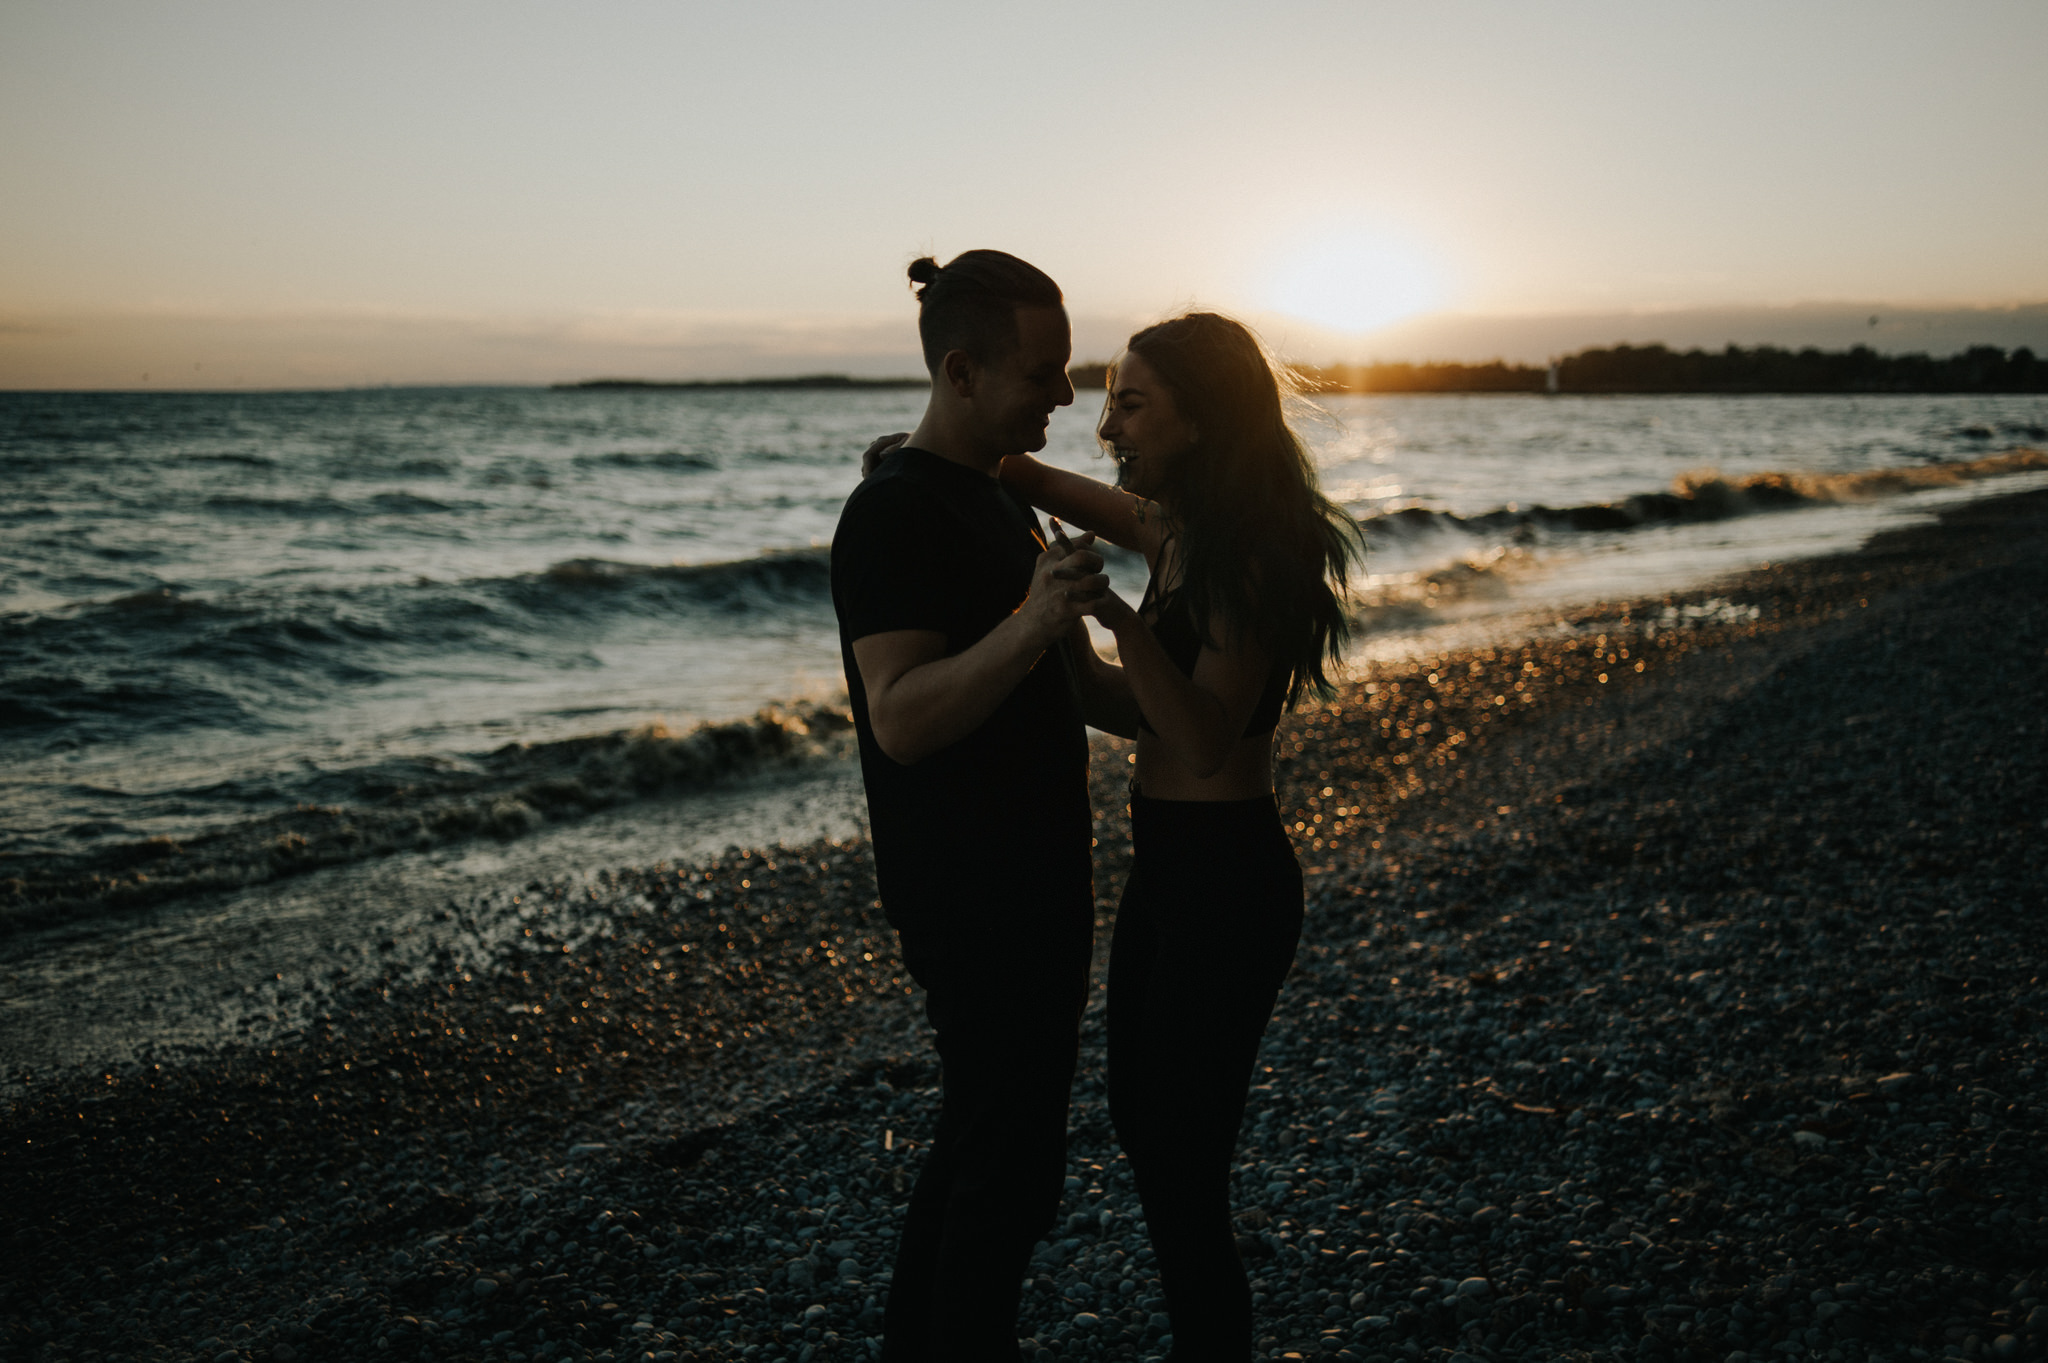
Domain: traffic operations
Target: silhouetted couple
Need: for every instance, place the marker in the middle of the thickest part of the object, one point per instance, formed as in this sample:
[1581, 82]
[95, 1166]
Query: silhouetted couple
[972, 677]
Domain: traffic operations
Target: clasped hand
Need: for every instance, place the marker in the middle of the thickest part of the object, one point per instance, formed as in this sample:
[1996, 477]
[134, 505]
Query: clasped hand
[1066, 583]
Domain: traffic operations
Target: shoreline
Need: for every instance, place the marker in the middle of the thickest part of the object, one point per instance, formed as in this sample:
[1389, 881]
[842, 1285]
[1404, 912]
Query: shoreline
[1690, 1032]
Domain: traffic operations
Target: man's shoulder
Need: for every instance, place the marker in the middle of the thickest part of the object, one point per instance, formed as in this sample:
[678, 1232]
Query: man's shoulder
[884, 506]
[906, 484]
[889, 487]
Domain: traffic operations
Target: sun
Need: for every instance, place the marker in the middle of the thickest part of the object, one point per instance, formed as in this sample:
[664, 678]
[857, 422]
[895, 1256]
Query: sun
[1356, 280]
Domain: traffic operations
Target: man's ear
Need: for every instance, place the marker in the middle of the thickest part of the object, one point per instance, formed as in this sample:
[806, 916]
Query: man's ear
[959, 371]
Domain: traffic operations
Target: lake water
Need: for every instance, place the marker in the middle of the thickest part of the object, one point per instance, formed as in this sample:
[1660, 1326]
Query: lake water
[422, 615]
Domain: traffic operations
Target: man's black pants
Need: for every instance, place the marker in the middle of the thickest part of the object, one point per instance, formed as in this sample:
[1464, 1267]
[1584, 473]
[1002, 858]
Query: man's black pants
[1004, 991]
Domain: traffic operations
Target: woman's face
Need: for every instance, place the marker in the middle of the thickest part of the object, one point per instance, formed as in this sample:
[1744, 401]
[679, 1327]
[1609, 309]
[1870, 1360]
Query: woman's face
[1143, 427]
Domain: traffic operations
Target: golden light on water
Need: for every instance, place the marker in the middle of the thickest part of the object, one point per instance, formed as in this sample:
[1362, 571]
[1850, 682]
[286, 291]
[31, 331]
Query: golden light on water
[1356, 280]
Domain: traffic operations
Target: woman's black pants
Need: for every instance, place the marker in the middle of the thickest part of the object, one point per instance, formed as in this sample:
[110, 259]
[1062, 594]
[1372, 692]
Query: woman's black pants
[1204, 936]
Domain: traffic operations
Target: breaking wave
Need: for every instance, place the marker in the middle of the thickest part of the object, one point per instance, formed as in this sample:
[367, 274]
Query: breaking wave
[422, 803]
[167, 658]
[1475, 557]
[1704, 495]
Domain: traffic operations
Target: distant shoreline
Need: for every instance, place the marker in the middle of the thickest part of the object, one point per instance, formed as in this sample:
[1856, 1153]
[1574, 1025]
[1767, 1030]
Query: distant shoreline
[798, 381]
[1656, 369]
[1644, 369]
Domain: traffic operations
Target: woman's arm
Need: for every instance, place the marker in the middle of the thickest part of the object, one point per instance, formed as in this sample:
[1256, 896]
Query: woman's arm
[1113, 514]
[1199, 719]
[1106, 701]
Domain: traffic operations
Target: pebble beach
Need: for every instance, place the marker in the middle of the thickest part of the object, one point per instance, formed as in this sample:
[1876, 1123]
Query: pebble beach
[1670, 990]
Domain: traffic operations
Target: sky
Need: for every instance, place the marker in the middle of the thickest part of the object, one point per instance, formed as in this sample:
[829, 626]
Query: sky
[286, 194]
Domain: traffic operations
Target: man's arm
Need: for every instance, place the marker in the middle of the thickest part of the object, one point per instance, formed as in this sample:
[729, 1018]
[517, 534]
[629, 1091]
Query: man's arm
[921, 699]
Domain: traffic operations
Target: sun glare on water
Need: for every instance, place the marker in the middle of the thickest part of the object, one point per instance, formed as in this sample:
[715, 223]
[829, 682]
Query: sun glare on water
[1355, 281]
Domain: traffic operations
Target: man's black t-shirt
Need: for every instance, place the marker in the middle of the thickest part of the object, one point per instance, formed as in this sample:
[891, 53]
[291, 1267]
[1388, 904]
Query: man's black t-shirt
[1000, 817]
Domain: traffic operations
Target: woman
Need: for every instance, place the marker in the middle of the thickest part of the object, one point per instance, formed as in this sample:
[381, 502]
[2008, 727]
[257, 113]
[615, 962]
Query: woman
[1243, 613]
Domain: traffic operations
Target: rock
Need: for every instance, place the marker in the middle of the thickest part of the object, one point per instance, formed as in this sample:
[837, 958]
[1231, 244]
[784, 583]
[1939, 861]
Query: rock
[587, 1150]
[1086, 1320]
[2005, 1346]
[484, 1288]
[1474, 1287]
[849, 1268]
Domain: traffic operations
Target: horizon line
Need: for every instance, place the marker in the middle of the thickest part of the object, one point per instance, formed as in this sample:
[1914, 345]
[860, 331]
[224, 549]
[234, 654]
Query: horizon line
[1090, 370]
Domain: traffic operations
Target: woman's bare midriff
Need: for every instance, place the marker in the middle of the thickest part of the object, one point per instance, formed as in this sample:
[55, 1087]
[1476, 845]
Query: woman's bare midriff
[1247, 773]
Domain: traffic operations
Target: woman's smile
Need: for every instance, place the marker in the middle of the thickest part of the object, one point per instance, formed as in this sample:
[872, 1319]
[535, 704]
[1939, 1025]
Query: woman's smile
[1143, 426]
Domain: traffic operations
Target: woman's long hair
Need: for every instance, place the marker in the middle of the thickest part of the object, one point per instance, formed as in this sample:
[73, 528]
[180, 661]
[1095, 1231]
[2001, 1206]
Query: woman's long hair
[1261, 551]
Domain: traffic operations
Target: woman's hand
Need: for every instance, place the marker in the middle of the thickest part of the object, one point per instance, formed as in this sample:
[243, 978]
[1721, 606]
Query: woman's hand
[871, 458]
[1115, 614]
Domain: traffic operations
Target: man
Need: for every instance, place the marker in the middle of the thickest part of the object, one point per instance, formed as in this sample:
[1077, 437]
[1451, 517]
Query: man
[951, 611]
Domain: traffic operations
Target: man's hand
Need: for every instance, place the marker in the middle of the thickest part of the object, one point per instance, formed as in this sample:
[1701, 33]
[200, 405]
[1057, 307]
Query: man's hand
[1065, 584]
[871, 458]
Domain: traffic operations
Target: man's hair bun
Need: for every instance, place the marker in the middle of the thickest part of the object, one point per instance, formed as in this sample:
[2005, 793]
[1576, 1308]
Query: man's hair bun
[970, 303]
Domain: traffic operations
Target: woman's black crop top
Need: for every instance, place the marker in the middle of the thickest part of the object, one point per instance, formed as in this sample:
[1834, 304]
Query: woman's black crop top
[1175, 630]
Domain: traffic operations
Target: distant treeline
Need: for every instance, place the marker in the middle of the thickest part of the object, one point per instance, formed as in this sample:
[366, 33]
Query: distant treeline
[1495, 376]
[1658, 369]
[1614, 369]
